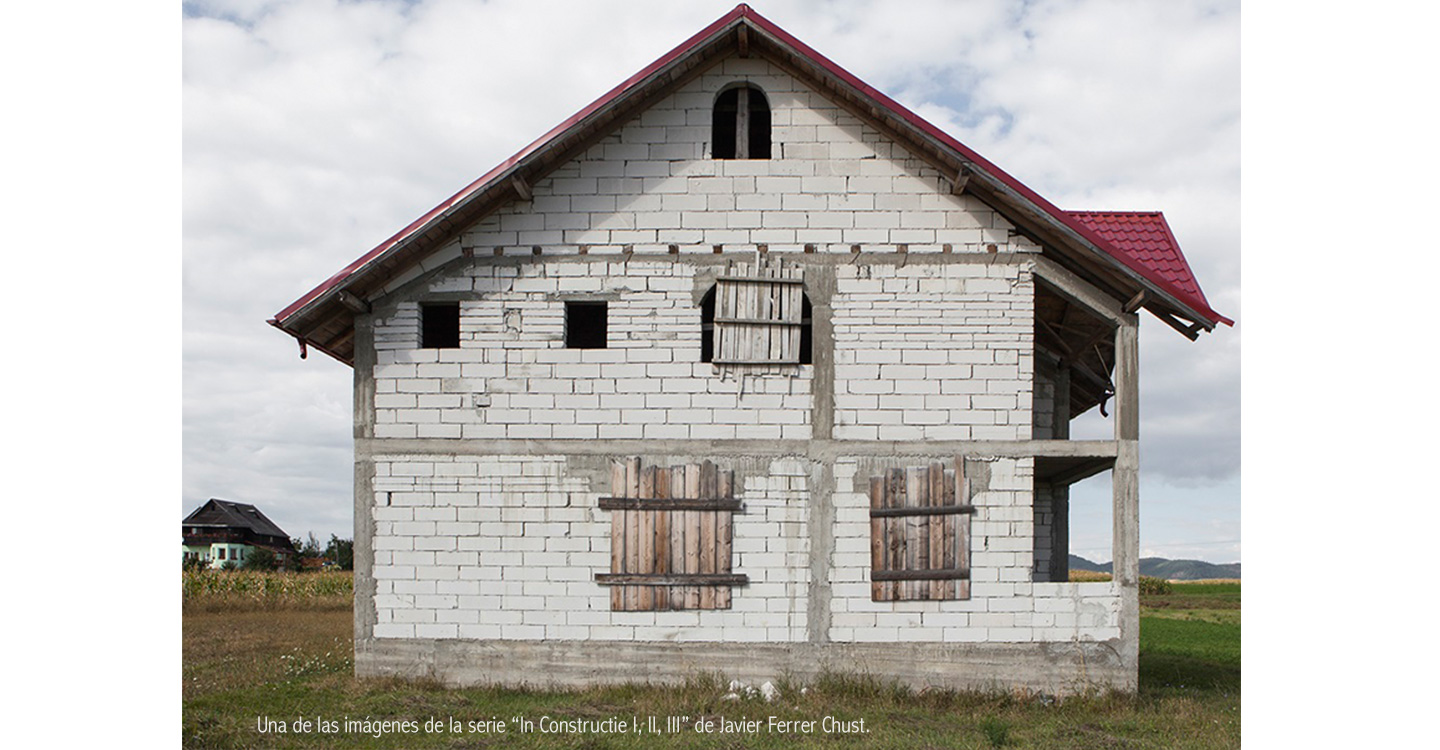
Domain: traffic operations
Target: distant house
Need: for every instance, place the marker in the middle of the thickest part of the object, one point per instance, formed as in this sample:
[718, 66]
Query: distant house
[221, 532]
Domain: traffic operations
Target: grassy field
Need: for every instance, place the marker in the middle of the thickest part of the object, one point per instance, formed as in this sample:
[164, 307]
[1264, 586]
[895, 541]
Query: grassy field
[251, 657]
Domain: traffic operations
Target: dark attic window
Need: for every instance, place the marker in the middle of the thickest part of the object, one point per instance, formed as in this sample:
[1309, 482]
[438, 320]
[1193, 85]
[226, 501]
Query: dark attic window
[740, 125]
[440, 325]
[585, 325]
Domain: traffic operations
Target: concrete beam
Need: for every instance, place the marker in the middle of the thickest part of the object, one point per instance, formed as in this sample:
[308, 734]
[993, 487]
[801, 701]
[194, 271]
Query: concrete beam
[816, 449]
[1080, 292]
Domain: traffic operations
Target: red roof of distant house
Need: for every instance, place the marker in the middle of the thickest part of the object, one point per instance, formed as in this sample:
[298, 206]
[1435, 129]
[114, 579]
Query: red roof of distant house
[1172, 275]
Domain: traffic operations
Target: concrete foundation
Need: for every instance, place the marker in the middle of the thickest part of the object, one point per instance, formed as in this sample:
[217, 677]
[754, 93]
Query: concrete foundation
[1048, 668]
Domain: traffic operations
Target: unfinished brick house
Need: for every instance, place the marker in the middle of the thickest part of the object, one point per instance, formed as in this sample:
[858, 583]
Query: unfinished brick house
[745, 368]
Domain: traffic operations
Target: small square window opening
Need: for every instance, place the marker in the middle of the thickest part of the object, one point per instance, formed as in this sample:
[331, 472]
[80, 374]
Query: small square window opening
[440, 325]
[585, 325]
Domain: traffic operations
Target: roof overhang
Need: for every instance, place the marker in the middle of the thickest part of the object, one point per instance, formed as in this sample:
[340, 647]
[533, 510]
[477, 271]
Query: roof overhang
[324, 317]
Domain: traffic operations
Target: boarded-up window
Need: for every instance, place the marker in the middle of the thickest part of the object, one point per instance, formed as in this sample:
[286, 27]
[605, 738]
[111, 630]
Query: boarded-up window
[670, 537]
[759, 313]
[920, 534]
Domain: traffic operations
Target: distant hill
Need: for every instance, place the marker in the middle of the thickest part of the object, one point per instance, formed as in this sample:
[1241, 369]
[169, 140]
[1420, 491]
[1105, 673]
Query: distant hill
[1159, 567]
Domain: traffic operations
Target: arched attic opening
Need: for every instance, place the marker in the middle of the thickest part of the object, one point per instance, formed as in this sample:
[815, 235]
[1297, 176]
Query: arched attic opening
[740, 123]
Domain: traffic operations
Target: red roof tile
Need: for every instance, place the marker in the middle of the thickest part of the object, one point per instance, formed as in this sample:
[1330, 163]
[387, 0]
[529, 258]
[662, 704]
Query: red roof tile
[1146, 237]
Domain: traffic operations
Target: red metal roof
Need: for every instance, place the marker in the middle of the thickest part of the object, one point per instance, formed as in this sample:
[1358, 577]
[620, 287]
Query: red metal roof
[1175, 281]
[1146, 237]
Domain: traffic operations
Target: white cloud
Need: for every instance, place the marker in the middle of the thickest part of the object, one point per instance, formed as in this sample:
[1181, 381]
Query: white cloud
[314, 129]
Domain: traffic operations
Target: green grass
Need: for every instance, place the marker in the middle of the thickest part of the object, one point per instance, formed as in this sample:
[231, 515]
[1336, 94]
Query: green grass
[292, 662]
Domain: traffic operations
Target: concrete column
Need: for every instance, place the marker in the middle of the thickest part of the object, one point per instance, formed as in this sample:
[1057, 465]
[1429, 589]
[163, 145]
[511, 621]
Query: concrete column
[820, 286]
[1125, 482]
[364, 416]
[1127, 380]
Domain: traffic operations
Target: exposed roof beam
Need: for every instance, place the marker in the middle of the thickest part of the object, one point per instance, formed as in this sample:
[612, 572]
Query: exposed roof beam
[1191, 331]
[522, 188]
[351, 301]
[958, 182]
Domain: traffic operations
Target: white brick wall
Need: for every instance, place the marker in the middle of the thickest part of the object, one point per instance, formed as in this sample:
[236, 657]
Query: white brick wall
[1004, 605]
[923, 352]
[834, 181]
[649, 383]
[507, 547]
[933, 352]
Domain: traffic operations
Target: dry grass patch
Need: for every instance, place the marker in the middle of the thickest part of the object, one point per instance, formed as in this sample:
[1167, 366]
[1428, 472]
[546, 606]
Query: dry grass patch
[234, 649]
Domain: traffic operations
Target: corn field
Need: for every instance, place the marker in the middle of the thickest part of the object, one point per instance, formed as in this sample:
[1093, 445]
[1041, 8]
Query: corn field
[211, 590]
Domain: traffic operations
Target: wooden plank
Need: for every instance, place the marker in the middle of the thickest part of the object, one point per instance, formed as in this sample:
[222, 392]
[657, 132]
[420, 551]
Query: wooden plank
[674, 579]
[755, 322]
[617, 534]
[939, 510]
[773, 314]
[878, 560]
[726, 555]
[962, 547]
[747, 308]
[692, 535]
[632, 531]
[742, 123]
[669, 504]
[912, 577]
[947, 588]
[708, 526]
[662, 524]
[646, 596]
[724, 529]
[797, 314]
[936, 526]
[677, 536]
[915, 550]
[750, 280]
[894, 527]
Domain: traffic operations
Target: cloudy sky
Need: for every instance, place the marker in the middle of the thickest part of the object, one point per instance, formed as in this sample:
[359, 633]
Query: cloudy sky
[314, 129]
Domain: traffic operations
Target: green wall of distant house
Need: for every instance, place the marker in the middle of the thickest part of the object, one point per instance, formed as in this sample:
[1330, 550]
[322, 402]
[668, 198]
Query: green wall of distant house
[212, 553]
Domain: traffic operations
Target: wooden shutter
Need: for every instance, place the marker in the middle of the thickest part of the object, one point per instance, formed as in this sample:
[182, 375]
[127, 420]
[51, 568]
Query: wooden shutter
[920, 533]
[670, 537]
[758, 314]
